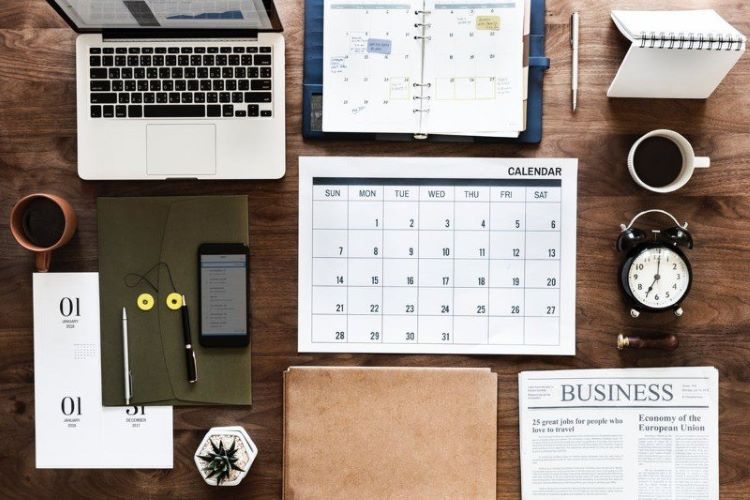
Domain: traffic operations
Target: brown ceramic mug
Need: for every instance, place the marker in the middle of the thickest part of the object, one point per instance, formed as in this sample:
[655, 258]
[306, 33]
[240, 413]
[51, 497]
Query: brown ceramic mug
[42, 223]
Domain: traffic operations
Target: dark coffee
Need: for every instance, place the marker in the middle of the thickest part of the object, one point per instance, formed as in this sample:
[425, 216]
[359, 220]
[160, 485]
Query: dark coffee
[43, 222]
[657, 161]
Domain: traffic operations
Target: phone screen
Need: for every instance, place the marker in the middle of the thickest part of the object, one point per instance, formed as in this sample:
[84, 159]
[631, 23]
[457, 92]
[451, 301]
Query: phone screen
[223, 294]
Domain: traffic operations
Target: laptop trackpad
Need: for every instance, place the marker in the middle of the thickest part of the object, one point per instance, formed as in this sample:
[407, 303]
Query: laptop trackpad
[181, 150]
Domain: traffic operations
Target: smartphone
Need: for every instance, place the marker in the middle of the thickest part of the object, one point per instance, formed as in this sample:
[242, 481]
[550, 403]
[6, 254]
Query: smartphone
[224, 274]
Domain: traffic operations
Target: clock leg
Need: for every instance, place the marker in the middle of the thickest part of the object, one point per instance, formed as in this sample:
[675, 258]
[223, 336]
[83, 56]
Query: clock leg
[634, 313]
[678, 312]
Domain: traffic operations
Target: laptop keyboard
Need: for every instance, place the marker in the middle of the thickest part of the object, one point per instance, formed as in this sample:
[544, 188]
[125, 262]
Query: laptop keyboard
[181, 82]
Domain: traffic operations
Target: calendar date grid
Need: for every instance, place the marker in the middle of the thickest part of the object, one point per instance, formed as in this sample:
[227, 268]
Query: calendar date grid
[384, 224]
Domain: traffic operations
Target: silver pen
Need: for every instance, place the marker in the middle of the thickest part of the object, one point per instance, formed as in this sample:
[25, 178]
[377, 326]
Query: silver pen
[574, 22]
[126, 361]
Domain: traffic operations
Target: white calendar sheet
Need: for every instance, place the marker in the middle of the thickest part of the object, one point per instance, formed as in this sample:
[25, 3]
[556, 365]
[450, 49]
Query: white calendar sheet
[423, 66]
[437, 255]
[73, 429]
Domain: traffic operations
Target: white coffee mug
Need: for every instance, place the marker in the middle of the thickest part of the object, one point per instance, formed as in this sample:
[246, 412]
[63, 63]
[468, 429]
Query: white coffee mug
[689, 161]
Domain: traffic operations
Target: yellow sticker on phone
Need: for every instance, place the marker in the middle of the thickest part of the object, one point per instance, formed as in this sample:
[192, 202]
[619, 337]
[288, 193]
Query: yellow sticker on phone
[488, 23]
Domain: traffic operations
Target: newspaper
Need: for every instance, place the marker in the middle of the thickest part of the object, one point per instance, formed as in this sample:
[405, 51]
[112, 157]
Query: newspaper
[636, 434]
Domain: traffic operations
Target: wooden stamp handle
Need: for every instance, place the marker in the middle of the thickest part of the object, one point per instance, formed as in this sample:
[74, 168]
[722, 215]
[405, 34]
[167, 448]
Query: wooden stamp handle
[662, 341]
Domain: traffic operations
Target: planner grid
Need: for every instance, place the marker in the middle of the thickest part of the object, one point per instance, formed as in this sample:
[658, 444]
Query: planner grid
[414, 263]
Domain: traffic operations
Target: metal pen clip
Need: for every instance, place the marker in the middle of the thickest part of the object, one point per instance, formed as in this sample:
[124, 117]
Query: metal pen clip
[195, 364]
[130, 385]
[571, 28]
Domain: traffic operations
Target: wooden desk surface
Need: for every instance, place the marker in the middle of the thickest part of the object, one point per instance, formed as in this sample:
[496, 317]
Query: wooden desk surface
[38, 153]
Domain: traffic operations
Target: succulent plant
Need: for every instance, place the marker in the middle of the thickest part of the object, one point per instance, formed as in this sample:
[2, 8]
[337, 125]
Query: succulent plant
[220, 461]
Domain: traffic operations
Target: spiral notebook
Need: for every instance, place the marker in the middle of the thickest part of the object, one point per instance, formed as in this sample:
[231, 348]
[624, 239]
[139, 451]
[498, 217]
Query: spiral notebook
[675, 54]
[424, 67]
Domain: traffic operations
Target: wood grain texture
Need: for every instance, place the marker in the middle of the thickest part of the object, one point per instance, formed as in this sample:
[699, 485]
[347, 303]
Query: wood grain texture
[38, 153]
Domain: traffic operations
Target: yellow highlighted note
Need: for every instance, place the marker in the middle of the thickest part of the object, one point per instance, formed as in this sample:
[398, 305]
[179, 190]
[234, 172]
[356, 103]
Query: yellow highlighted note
[488, 23]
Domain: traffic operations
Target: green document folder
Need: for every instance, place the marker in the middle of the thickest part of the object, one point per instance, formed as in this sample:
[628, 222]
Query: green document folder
[136, 234]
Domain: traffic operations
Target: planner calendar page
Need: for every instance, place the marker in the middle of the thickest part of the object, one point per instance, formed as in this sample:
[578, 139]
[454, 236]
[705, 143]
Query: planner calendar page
[474, 66]
[437, 255]
[443, 67]
[371, 63]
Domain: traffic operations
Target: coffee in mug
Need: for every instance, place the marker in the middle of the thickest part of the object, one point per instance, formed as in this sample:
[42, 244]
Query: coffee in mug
[42, 223]
[658, 161]
[663, 161]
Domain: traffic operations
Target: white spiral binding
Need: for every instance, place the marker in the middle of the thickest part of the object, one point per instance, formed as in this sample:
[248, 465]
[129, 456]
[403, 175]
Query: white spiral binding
[422, 25]
[690, 41]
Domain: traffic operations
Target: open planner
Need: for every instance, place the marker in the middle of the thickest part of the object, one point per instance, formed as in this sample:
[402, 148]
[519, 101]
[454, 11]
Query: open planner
[675, 54]
[424, 67]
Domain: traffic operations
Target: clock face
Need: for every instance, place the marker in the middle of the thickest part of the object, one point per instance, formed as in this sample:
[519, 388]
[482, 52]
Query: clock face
[658, 277]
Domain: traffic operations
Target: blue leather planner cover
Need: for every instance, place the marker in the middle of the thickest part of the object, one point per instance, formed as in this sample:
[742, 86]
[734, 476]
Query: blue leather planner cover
[312, 106]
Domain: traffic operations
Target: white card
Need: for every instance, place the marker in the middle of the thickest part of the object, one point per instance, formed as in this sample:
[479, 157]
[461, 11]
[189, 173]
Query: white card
[437, 255]
[73, 430]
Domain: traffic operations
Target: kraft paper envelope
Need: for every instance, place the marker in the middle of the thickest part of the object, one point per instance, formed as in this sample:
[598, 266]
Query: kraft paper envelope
[135, 234]
[406, 433]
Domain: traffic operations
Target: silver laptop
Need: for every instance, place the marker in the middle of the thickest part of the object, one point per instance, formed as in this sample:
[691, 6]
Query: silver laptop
[178, 88]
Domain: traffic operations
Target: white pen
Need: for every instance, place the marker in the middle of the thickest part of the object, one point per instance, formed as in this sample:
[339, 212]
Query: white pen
[126, 361]
[574, 46]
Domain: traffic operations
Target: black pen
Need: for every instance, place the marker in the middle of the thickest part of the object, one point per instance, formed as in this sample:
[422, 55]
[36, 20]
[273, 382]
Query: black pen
[192, 369]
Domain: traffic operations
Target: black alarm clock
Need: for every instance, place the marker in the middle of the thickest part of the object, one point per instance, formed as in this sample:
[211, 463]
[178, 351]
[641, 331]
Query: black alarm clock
[656, 275]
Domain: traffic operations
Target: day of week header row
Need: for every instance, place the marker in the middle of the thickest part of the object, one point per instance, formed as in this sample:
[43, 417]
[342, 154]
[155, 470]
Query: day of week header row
[434, 193]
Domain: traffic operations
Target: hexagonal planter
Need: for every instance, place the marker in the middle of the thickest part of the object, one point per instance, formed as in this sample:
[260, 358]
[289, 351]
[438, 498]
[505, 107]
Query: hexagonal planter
[225, 455]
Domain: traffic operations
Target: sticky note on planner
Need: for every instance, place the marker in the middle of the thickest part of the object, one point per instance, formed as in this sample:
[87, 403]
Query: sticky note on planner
[378, 46]
[488, 23]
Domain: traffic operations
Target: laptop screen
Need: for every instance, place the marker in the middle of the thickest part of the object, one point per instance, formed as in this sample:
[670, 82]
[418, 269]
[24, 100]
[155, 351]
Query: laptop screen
[90, 15]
